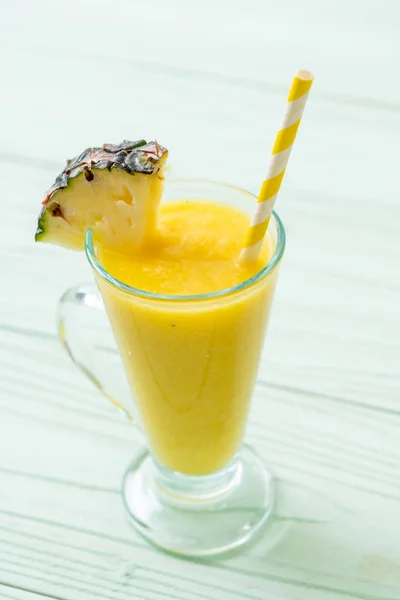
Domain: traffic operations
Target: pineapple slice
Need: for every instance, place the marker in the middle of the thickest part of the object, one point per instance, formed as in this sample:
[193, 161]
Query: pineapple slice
[114, 190]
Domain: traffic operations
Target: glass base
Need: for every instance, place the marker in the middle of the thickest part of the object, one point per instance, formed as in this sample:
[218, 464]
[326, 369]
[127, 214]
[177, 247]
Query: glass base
[199, 516]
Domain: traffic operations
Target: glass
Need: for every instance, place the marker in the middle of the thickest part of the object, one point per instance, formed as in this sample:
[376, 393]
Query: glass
[191, 364]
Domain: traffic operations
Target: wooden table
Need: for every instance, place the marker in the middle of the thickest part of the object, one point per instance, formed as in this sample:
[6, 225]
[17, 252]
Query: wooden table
[209, 80]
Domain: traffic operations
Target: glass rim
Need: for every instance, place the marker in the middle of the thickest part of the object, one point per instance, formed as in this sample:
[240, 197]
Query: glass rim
[243, 285]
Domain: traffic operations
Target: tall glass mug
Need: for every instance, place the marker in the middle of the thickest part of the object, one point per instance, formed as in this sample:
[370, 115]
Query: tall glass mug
[191, 364]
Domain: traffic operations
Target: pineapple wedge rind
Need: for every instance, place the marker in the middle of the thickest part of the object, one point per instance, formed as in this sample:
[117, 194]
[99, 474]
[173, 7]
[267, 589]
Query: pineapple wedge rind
[114, 190]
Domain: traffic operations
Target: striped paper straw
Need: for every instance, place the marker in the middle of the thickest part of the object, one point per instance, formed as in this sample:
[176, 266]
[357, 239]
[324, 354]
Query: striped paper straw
[296, 102]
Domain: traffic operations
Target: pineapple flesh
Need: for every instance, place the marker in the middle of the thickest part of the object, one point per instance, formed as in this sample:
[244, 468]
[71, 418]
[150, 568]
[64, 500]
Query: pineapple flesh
[114, 190]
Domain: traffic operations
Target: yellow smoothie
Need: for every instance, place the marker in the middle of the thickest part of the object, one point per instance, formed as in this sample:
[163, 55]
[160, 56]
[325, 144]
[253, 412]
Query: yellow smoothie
[191, 364]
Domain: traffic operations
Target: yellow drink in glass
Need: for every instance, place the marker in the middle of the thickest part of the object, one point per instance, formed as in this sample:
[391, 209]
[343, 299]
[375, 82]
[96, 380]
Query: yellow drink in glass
[189, 322]
[191, 364]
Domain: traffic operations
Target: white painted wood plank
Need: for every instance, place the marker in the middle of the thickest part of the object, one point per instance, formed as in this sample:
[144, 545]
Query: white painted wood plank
[351, 45]
[10, 592]
[62, 545]
[227, 133]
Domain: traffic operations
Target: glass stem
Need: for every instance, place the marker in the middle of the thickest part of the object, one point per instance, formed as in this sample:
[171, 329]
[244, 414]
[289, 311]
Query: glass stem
[180, 488]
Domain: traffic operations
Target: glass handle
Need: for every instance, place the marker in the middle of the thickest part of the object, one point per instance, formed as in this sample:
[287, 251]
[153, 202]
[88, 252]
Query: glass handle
[86, 335]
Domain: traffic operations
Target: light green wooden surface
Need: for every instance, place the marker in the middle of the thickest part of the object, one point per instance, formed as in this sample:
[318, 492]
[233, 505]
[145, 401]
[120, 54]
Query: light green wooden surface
[208, 79]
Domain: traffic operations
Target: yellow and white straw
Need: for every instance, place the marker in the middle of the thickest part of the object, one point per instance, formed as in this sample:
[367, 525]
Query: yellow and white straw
[296, 102]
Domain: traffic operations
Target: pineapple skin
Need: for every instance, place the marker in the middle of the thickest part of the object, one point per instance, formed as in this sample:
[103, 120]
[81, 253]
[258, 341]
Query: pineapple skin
[131, 158]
